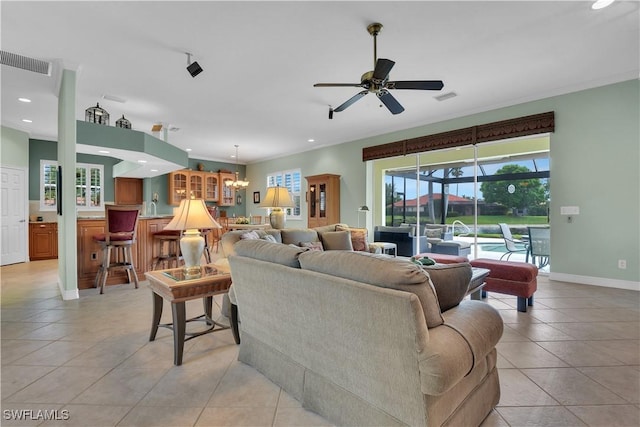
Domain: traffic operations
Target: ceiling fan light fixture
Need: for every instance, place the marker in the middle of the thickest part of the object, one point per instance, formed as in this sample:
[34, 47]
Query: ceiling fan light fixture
[446, 96]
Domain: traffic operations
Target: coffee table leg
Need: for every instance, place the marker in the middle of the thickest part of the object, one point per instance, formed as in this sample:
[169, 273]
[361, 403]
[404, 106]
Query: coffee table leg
[179, 326]
[157, 314]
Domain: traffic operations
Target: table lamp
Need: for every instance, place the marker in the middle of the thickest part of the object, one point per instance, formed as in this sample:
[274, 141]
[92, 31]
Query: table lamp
[192, 216]
[276, 199]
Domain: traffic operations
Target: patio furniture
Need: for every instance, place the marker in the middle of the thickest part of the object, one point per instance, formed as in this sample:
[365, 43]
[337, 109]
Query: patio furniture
[539, 245]
[511, 243]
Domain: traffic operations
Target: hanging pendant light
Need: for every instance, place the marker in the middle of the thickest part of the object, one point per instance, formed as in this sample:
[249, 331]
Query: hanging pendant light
[237, 183]
[96, 115]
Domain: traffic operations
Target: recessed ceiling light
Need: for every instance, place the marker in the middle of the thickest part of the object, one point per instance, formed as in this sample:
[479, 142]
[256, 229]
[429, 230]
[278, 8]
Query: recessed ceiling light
[311, 140]
[24, 100]
[142, 161]
[601, 4]
[187, 149]
[27, 120]
[103, 151]
[153, 170]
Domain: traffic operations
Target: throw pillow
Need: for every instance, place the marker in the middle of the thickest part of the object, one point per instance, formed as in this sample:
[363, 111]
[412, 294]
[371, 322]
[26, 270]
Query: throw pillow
[337, 241]
[433, 232]
[450, 281]
[269, 238]
[359, 238]
[313, 246]
[250, 235]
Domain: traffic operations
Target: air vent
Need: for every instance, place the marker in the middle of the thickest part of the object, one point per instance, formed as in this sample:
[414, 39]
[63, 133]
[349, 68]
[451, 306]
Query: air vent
[25, 63]
[446, 96]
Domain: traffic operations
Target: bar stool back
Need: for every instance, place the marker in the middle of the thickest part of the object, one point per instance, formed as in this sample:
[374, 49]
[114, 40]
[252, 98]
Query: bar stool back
[120, 233]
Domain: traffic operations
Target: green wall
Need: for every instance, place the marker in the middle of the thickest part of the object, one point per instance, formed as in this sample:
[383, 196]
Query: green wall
[15, 147]
[595, 164]
[47, 150]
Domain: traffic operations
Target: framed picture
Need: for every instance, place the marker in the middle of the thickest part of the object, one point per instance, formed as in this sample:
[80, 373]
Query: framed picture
[256, 197]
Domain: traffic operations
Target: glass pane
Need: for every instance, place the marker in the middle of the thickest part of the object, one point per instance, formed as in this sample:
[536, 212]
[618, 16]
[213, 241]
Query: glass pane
[50, 177]
[323, 201]
[312, 200]
[81, 187]
[96, 187]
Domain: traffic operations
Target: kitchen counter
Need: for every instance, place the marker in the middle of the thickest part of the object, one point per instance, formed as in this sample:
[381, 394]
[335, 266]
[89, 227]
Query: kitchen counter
[90, 254]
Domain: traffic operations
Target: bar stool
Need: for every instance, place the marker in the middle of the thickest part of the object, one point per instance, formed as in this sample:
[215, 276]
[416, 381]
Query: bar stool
[167, 243]
[120, 233]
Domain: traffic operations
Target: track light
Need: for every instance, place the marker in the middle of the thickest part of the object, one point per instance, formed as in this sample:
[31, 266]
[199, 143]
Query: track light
[193, 67]
[330, 113]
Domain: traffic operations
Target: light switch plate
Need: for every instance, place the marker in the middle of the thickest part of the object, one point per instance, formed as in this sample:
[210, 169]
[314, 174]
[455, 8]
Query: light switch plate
[569, 210]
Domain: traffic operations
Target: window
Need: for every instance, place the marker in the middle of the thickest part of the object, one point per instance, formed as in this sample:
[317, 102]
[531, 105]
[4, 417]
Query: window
[291, 180]
[89, 179]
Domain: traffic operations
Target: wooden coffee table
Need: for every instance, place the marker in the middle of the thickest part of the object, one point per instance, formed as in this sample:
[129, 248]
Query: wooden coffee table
[173, 286]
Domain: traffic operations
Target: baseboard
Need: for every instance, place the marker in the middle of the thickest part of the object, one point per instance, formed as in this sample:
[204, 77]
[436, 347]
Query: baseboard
[68, 294]
[596, 281]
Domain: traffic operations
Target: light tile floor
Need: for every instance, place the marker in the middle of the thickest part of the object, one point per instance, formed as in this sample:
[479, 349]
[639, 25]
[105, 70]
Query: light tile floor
[572, 360]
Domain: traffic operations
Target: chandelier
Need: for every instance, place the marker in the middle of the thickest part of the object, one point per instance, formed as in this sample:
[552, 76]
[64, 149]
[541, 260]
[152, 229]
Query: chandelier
[237, 183]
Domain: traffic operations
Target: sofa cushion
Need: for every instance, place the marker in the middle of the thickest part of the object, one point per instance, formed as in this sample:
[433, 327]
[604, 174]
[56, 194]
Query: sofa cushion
[378, 270]
[337, 241]
[451, 282]
[313, 246]
[271, 252]
[249, 235]
[297, 235]
[359, 237]
[230, 238]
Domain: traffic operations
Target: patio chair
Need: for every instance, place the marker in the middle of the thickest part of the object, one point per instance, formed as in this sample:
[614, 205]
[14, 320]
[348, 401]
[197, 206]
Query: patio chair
[512, 244]
[539, 245]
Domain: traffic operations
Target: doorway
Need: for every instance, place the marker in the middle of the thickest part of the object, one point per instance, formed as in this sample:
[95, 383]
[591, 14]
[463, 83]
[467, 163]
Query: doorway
[13, 202]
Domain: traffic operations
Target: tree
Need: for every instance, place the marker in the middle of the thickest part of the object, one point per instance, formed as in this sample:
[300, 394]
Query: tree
[526, 192]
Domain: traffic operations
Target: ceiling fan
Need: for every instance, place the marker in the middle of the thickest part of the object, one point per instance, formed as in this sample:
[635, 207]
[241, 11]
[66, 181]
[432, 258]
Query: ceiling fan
[377, 81]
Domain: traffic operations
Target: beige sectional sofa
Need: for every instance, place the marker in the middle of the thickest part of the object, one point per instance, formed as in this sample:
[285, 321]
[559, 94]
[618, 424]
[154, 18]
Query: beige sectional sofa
[360, 338]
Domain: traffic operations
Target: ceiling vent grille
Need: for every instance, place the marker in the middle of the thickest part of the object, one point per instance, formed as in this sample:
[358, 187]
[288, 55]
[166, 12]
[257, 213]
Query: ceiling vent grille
[25, 63]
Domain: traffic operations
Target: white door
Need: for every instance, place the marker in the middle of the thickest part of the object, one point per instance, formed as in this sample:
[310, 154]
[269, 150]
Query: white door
[13, 222]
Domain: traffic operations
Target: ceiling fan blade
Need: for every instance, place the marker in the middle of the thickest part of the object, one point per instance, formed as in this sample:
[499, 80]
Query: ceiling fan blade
[383, 67]
[338, 85]
[390, 102]
[416, 84]
[350, 101]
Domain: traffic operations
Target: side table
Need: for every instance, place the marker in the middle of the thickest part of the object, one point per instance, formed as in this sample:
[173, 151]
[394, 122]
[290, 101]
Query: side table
[172, 285]
[386, 247]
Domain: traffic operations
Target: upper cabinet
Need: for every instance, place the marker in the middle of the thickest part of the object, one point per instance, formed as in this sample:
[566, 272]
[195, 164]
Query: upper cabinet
[178, 186]
[199, 185]
[227, 194]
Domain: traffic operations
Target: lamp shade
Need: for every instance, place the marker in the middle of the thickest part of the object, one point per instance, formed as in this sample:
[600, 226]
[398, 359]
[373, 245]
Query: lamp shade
[192, 214]
[277, 197]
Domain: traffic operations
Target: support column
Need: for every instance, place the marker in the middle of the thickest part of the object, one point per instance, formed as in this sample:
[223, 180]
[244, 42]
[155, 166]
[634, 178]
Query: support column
[67, 222]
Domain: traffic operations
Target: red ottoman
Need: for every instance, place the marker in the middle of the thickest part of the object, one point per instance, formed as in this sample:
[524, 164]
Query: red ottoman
[512, 278]
[444, 259]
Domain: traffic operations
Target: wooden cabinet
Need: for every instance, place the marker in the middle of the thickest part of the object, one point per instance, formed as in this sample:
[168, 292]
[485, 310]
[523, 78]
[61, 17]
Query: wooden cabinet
[323, 198]
[128, 191]
[211, 187]
[227, 194]
[178, 186]
[90, 253]
[200, 185]
[43, 240]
